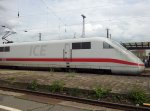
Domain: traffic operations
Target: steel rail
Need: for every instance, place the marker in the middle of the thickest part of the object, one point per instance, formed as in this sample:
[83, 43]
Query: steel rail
[80, 100]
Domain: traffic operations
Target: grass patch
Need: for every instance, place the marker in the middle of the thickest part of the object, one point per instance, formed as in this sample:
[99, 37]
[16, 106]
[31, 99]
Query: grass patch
[33, 85]
[11, 79]
[57, 86]
[135, 96]
[138, 96]
[101, 92]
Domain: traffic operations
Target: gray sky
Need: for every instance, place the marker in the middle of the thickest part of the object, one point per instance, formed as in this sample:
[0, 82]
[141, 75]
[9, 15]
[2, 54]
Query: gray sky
[128, 20]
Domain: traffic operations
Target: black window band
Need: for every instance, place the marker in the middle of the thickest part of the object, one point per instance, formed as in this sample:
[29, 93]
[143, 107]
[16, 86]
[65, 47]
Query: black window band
[81, 45]
[5, 49]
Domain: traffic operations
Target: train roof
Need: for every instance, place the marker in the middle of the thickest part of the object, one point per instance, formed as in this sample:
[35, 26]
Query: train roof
[59, 41]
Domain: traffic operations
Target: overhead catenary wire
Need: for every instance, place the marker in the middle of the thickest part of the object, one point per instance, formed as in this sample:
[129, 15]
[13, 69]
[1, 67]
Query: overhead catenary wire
[93, 21]
[47, 7]
[114, 20]
[54, 12]
[59, 18]
[76, 24]
[70, 10]
[67, 10]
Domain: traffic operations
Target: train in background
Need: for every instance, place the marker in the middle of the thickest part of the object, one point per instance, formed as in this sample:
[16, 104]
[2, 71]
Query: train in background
[81, 53]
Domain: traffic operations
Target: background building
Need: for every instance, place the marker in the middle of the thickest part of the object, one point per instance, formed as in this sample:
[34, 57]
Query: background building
[140, 49]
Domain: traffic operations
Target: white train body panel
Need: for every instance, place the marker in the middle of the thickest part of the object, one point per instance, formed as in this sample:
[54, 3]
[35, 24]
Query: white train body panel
[96, 53]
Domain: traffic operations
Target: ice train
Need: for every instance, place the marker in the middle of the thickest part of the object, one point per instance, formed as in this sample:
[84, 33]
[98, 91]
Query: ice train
[82, 53]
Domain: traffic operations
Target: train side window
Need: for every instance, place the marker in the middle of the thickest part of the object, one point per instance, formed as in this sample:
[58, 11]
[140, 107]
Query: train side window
[5, 49]
[86, 45]
[1, 49]
[76, 45]
[81, 45]
[107, 46]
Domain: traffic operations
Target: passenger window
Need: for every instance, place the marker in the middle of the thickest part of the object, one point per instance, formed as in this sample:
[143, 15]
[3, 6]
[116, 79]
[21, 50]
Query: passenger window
[76, 45]
[107, 46]
[81, 45]
[86, 45]
[5, 49]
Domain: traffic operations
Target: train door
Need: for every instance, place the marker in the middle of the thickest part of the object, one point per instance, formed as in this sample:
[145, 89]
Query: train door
[67, 54]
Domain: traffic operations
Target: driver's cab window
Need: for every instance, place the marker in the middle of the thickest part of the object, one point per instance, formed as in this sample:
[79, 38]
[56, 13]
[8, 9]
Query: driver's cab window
[107, 46]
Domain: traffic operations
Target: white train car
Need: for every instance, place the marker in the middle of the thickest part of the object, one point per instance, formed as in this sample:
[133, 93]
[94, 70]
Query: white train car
[84, 53]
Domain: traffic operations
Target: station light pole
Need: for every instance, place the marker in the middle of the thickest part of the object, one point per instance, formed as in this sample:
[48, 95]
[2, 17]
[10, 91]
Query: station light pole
[83, 29]
[40, 35]
[107, 32]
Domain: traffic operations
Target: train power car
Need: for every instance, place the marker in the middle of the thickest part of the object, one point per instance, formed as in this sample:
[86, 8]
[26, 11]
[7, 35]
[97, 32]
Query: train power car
[82, 53]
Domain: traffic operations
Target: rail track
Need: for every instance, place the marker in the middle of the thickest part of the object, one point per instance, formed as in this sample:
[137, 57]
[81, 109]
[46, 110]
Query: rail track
[141, 75]
[144, 74]
[81, 100]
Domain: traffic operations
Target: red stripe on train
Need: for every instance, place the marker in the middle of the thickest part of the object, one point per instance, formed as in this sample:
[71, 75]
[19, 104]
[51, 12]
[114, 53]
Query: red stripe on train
[73, 60]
